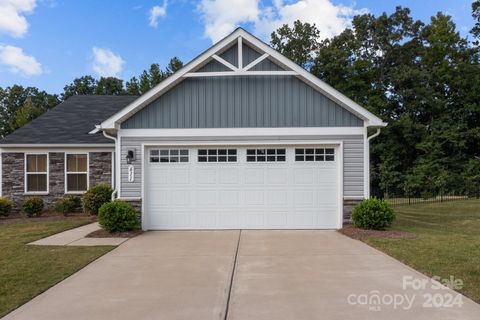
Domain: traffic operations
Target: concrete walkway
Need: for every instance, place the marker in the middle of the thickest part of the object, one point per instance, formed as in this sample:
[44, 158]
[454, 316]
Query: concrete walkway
[77, 237]
[244, 275]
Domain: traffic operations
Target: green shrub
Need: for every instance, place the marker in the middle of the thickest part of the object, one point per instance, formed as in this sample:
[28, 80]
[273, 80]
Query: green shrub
[118, 216]
[373, 214]
[95, 197]
[68, 204]
[5, 206]
[33, 206]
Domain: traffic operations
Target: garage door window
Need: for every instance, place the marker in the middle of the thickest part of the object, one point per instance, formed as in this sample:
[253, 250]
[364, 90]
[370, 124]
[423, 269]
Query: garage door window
[265, 155]
[169, 155]
[217, 155]
[315, 154]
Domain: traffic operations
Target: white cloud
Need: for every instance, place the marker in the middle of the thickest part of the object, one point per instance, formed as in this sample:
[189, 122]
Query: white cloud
[222, 16]
[106, 63]
[12, 19]
[18, 62]
[157, 12]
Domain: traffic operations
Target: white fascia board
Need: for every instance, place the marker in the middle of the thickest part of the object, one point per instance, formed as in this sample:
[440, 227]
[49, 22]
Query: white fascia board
[369, 118]
[242, 132]
[239, 73]
[55, 145]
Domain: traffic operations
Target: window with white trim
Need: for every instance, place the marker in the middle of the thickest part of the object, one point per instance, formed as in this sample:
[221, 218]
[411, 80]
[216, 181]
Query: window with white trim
[217, 155]
[315, 154]
[76, 172]
[36, 173]
[266, 155]
[168, 155]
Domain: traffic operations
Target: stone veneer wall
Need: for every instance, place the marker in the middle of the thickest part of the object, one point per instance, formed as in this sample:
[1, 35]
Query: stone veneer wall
[13, 175]
[100, 167]
[348, 205]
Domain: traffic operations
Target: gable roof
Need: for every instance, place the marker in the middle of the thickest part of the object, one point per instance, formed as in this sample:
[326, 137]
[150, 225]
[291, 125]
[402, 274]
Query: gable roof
[215, 53]
[70, 122]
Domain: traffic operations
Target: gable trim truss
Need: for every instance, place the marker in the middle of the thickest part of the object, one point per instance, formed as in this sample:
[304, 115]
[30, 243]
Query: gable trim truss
[240, 70]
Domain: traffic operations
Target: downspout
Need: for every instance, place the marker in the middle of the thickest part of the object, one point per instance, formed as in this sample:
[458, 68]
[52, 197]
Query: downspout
[367, 159]
[114, 173]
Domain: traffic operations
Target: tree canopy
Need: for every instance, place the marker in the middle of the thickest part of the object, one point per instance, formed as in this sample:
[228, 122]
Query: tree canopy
[422, 78]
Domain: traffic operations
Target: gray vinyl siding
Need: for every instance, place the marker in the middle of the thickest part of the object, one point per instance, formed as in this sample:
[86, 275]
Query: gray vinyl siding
[352, 162]
[249, 55]
[242, 102]
[231, 55]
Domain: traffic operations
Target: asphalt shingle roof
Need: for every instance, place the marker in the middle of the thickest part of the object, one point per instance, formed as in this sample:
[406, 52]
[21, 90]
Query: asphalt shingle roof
[70, 121]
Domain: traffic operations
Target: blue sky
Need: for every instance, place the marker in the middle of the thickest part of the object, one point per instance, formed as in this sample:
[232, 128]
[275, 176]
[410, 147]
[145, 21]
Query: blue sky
[48, 43]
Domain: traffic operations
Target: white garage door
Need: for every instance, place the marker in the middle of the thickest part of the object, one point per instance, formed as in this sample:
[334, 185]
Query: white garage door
[271, 187]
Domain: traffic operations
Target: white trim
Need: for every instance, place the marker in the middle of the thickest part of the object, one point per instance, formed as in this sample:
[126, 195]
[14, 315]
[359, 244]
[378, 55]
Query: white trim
[224, 62]
[340, 184]
[76, 172]
[239, 35]
[54, 150]
[54, 145]
[226, 143]
[143, 219]
[25, 174]
[240, 53]
[239, 73]
[256, 61]
[243, 132]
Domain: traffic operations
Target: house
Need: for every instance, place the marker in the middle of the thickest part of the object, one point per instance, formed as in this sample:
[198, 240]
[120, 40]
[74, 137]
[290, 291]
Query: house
[241, 137]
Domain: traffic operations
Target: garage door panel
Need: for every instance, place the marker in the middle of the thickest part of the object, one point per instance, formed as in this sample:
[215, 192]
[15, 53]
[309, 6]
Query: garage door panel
[206, 197]
[206, 176]
[254, 176]
[229, 197]
[253, 195]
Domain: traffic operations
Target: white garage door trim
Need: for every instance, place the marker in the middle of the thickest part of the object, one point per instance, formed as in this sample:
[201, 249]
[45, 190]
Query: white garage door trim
[338, 145]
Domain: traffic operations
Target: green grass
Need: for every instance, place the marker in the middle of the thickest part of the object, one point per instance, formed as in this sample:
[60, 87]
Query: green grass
[447, 243]
[26, 271]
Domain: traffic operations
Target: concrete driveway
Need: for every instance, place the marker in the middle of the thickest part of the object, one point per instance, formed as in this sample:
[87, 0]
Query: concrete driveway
[245, 275]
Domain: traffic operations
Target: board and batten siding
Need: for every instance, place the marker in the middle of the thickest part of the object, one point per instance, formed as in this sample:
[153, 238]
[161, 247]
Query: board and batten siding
[353, 169]
[242, 102]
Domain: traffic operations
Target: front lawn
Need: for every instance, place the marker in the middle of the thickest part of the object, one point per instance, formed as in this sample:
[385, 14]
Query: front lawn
[26, 271]
[447, 242]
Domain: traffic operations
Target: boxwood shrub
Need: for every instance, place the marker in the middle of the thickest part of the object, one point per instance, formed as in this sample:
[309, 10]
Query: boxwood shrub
[95, 197]
[5, 206]
[373, 214]
[32, 206]
[68, 204]
[118, 216]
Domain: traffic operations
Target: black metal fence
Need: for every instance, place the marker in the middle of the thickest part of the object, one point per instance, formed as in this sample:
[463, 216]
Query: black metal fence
[404, 200]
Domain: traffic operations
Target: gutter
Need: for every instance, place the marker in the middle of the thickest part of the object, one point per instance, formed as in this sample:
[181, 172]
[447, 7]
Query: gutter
[366, 158]
[114, 174]
[374, 135]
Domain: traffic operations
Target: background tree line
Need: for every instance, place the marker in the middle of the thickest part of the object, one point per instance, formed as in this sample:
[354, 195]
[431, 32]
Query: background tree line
[422, 78]
[19, 105]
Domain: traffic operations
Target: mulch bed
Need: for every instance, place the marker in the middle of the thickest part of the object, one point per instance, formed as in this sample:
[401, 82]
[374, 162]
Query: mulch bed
[46, 216]
[359, 234]
[104, 234]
